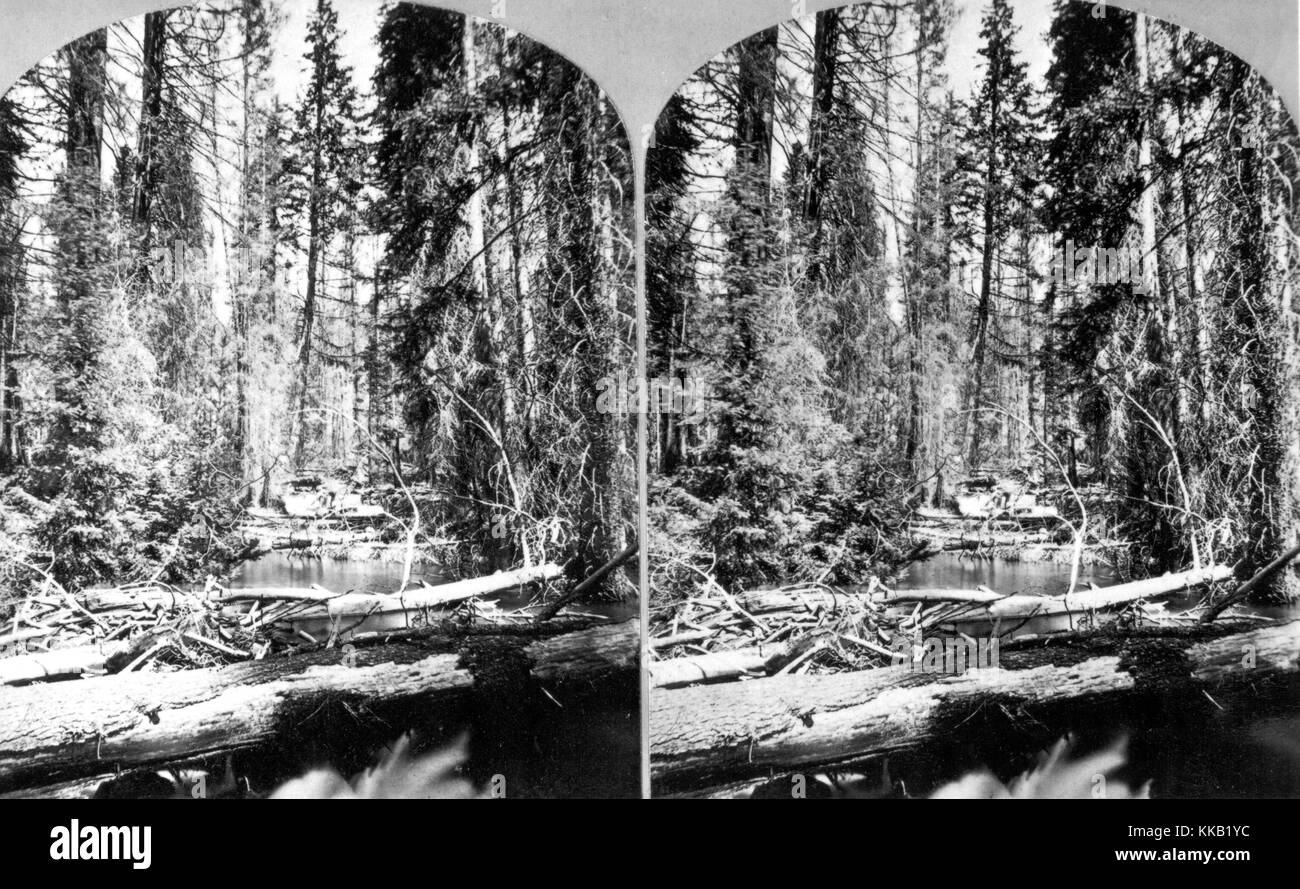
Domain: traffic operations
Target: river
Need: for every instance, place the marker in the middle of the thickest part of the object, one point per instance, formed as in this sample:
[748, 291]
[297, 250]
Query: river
[281, 569]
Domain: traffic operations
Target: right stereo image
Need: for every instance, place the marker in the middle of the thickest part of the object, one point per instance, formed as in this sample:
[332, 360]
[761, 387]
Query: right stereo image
[974, 430]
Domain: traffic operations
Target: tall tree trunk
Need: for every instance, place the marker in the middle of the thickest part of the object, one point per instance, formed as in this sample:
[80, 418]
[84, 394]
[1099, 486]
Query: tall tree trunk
[526, 338]
[87, 86]
[375, 400]
[315, 245]
[825, 57]
[982, 308]
[1163, 298]
[986, 291]
[153, 50]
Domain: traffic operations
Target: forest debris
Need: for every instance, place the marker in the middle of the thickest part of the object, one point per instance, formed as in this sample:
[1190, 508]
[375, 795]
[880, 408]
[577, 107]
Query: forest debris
[725, 732]
[727, 645]
[64, 730]
[102, 630]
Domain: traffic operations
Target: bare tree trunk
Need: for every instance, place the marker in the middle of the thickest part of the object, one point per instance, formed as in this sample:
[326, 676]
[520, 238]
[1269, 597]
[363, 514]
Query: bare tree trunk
[980, 333]
[315, 238]
[153, 57]
[1163, 297]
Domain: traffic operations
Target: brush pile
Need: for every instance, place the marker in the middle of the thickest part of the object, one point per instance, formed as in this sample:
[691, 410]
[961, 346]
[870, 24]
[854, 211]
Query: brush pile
[716, 636]
[52, 634]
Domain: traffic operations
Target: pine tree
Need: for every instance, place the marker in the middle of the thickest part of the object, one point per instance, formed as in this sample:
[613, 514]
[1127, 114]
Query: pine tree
[14, 142]
[322, 183]
[757, 468]
[999, 151]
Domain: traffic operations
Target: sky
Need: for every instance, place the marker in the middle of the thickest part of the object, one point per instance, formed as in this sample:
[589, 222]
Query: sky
[359, 22]
[1033, 17]
[358, 25]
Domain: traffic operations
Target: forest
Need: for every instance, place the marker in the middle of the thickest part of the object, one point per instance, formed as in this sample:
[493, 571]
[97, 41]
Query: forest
[413, 277]
[994, 306]
[305, 310]
[889, 287]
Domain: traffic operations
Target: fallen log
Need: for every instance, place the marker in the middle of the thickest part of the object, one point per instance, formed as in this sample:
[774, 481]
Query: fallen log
[720, 666]
[1106, 597]
[716, 733]
[765, 601]
[978, 597]
[62, 663]
[591, 583]
[362, 604]
[61, 731]
[685, 638]
[277, 594]
[146, 597]
[69, 663]
[1251, 585]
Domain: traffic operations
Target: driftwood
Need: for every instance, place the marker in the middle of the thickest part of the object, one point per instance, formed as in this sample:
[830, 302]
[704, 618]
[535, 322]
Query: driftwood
[715, 733]
[687, 638]
[61, 731]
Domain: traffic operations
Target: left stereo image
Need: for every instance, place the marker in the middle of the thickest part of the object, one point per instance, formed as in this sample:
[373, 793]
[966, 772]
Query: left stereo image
[310, 484]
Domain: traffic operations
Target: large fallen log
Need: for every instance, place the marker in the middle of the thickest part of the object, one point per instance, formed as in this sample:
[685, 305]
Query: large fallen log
[362, 604]
[1106, 597]
[715, 733]
[61, 731]
[144, 597]
[929, 596]
[766, 601]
